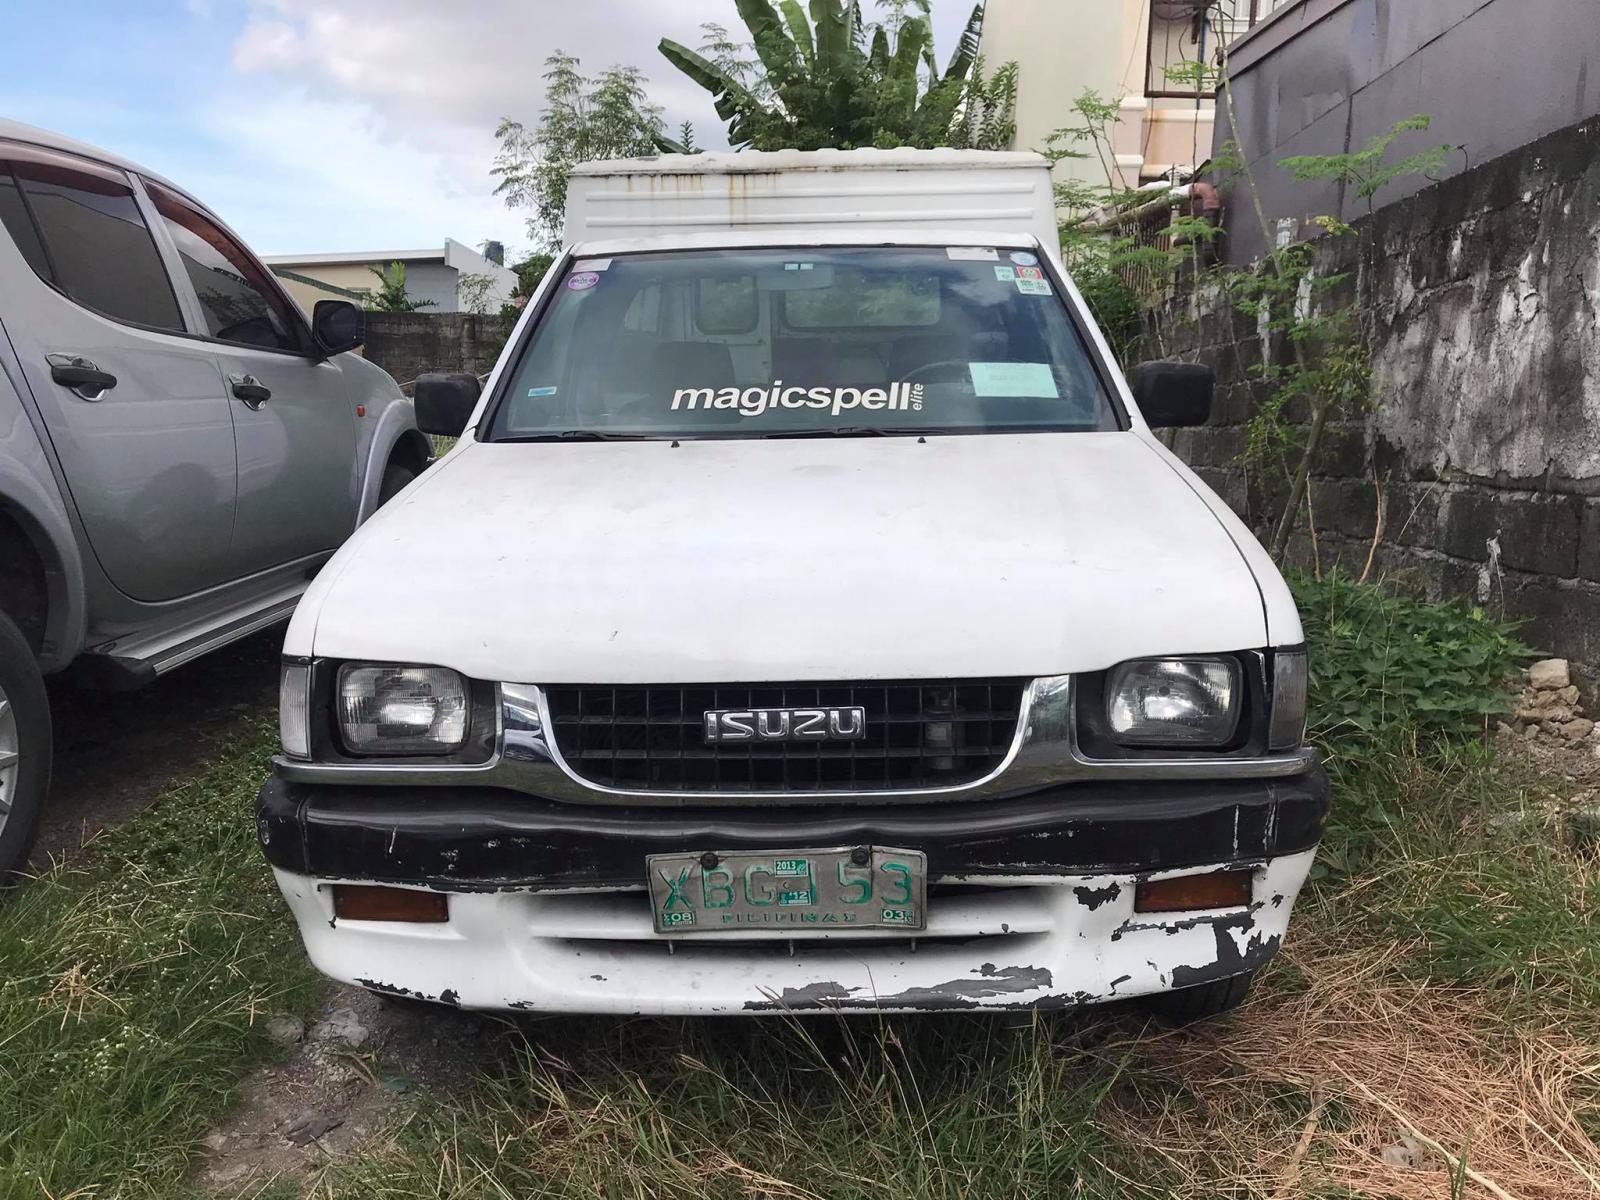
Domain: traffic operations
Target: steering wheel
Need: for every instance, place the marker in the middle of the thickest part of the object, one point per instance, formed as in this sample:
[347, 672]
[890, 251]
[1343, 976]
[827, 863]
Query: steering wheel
[925, 368]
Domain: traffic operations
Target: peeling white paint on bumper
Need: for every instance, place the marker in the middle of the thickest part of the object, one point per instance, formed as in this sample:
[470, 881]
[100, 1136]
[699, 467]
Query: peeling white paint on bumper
[1045, 941]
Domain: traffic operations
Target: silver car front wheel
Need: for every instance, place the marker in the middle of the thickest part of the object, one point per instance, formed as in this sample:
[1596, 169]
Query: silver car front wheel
[24, 749]
[10, 758]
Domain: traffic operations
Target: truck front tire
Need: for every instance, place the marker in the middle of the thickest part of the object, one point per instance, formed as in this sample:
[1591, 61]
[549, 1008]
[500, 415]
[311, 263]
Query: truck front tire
[396, 475]
[1203, 1001]
[24, 750]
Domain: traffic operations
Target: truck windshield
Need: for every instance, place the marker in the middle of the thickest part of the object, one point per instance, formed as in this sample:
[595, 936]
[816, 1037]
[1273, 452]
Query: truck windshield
[803, 343]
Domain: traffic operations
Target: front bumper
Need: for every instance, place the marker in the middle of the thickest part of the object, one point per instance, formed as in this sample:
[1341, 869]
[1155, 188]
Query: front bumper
[1031, 901]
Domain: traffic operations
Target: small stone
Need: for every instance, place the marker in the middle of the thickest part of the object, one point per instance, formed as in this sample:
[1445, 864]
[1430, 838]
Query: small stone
[1531, 731]
[341, 1025]
[1558, 714]
[304, 1132]
[216, 1140]
[1407, 1152]
[285, 1029]
[1577, 730]
[1501, 729]
[1550, 674]
[1546, 699]
[1568, 694]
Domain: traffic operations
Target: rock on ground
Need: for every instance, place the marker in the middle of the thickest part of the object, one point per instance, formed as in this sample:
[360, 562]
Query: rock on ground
[1550, 674]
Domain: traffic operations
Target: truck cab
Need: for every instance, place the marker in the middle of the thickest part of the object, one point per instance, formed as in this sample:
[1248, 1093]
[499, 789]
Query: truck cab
[812, 621]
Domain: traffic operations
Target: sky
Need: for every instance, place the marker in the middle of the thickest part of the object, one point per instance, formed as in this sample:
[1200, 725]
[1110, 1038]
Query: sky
[334, 125]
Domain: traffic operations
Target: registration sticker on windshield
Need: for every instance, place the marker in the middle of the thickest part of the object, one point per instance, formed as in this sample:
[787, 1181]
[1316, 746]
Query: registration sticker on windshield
[582, 281]
[1033, 287]
[540, 393]
[1034, 381]
[1005, 274]
[973, 253]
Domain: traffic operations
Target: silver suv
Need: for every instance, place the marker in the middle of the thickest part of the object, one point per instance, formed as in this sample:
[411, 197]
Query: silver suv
[180, 450]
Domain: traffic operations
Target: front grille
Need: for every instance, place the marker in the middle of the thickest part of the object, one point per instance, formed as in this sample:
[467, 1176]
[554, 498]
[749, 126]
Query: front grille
[919, 734]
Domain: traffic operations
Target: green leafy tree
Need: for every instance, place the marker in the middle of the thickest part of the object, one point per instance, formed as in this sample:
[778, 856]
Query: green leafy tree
[474, 290]
[529, 273]
[832, 79]
[987, 118]
[391, 295]
[584, 120]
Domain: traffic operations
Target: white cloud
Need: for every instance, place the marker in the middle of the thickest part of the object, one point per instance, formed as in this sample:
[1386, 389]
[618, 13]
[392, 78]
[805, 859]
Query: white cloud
[323, 175]
[380, 114]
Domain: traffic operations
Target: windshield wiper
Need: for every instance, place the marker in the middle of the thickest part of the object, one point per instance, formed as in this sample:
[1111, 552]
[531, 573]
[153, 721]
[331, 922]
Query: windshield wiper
[581, 435]
[849, 431]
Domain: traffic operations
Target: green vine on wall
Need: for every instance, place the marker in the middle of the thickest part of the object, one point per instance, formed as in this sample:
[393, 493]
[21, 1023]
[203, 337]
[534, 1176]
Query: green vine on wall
[1316, 354]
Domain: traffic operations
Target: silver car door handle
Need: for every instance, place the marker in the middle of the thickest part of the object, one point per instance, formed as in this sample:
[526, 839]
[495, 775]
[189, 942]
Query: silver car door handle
[250, 390]
[85, 379]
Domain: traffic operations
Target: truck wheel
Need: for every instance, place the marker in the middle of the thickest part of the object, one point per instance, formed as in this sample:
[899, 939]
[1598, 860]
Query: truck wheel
[395, 477]
[1203, 1001]
[24, 750]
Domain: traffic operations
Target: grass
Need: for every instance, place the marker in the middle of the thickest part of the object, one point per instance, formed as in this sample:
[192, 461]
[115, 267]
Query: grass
[1441, 984]
[886, 1109]
[133, 985]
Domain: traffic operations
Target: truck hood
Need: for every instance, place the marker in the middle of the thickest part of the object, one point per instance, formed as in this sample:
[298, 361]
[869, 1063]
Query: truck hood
[825, 558]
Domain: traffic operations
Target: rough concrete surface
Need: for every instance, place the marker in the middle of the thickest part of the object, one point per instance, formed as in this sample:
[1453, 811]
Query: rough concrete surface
[1475, 471]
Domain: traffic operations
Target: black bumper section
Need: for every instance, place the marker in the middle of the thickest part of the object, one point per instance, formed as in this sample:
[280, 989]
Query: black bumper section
[472, 839]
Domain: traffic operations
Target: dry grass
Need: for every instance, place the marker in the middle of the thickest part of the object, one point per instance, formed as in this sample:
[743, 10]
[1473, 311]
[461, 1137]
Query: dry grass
[1303, 1092]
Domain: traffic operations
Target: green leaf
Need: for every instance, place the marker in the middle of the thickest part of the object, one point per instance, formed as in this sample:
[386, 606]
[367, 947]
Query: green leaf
[800, 30]
[774, 47]
[727, 93]
[966, 52]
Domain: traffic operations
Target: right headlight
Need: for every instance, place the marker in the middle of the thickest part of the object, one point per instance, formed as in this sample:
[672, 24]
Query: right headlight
[401, 710]
[1181, 703]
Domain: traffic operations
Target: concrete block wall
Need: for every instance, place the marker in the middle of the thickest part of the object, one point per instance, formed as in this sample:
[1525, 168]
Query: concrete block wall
[408, 344]
[1481, 444]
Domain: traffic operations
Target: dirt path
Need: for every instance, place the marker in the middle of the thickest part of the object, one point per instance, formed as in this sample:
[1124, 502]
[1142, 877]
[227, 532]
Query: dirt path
[115, 751]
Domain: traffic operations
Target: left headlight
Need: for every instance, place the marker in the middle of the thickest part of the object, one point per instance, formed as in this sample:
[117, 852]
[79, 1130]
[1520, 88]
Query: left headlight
[1176, 702]
[401, 709]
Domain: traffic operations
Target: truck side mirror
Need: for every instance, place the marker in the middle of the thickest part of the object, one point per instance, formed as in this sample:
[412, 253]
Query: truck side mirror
[1171, 394]
[445, 402]
[338, 326]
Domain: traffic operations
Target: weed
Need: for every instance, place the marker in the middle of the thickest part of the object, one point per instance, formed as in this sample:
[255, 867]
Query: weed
[1387, 669]
[883, 1108]
[132, 987]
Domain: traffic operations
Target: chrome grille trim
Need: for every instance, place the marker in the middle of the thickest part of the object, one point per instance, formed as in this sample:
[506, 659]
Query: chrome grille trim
[1043, 753]
[913, 735]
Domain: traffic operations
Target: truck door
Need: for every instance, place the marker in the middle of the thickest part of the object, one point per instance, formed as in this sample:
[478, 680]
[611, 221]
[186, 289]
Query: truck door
[134, 408]
[293, 416]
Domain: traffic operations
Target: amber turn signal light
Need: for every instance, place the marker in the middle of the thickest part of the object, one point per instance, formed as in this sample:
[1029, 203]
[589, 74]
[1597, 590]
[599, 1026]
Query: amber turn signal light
[365, 902]
[1187, 893]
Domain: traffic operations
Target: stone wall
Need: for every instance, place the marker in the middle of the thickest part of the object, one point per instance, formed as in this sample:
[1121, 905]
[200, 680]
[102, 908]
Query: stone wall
[409, 344]
[1481, 447]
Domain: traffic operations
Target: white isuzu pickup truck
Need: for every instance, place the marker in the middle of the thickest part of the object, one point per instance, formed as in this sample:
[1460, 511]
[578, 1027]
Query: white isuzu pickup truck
[807, 619]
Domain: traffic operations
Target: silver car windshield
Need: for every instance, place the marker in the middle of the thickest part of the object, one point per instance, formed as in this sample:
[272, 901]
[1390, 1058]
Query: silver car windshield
[797, 343]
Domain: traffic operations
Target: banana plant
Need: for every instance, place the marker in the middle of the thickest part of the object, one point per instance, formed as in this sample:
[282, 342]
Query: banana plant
[836, 80]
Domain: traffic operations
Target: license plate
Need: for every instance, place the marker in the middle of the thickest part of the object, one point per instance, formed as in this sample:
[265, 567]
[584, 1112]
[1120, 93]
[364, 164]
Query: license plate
[798, 891]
